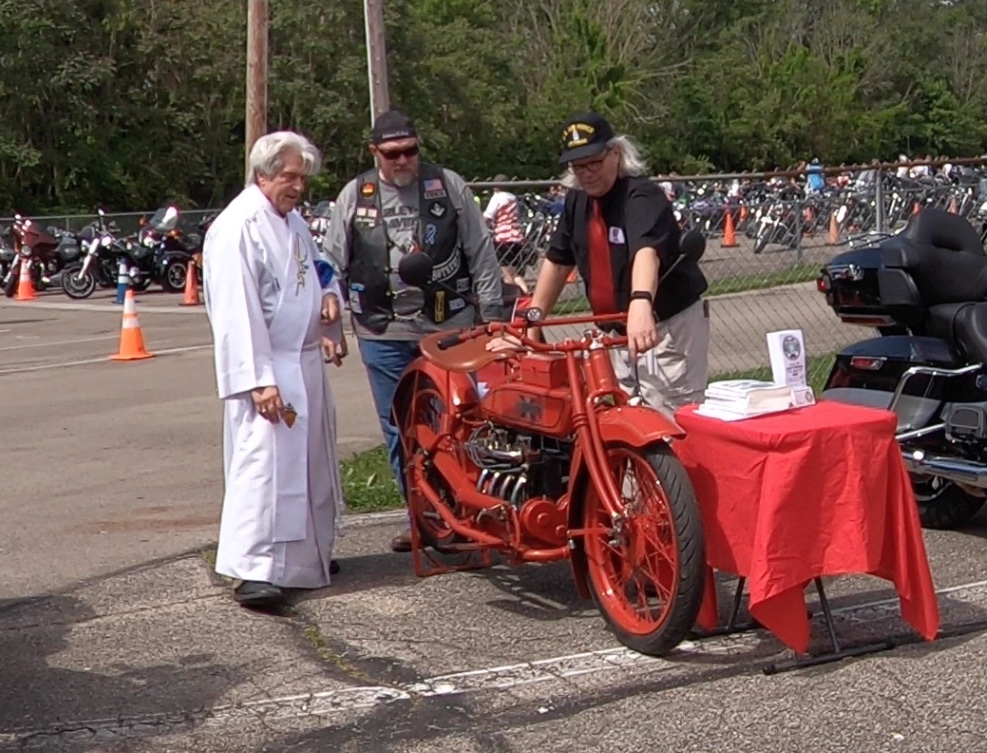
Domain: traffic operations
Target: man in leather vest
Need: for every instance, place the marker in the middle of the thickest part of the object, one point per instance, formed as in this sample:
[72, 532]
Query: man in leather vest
[406, 206]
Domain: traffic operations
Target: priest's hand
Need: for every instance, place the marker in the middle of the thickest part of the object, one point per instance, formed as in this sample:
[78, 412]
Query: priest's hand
[335, 351]
[267, 401]
[330, 308]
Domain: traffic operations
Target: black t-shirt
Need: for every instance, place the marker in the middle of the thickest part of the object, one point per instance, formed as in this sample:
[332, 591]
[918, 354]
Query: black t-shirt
[645, 219]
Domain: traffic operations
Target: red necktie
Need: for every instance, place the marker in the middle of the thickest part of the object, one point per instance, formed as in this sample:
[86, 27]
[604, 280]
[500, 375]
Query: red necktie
[601, 288]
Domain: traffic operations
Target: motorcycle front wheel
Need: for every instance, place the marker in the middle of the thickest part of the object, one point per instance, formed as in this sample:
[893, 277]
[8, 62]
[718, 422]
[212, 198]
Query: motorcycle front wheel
[174, 277]
[646, 571]
[76, 285]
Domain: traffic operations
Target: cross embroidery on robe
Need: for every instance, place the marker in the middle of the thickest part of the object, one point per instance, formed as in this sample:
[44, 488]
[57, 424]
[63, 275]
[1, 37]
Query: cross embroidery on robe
[301, 258]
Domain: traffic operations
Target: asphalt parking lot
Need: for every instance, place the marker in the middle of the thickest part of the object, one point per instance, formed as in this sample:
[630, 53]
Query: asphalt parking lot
[115, 636]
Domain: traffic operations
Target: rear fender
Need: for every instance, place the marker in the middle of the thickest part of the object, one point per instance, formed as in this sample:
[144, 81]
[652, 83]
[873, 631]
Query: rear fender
[458, 389]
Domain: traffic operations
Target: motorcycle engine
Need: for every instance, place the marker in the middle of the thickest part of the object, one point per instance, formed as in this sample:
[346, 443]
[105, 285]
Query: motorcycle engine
[516, 467]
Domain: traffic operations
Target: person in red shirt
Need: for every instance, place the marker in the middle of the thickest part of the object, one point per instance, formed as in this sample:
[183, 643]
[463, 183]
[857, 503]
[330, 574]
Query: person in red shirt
[503, 216]
[618, 228]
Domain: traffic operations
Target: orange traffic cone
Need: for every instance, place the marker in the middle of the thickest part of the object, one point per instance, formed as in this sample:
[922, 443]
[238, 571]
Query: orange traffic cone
[729, 232]
[131, 340]
[25, 287]
[192, 297]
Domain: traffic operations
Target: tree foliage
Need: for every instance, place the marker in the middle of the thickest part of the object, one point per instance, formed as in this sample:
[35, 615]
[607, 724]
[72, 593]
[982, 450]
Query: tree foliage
[128, 103]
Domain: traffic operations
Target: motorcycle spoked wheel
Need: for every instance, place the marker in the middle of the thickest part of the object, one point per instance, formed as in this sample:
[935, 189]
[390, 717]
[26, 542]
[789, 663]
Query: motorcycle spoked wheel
[426, 410]
[647, 574]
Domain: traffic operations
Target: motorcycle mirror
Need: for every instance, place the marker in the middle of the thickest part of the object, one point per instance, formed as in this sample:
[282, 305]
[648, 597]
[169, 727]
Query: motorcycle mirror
[416, 270]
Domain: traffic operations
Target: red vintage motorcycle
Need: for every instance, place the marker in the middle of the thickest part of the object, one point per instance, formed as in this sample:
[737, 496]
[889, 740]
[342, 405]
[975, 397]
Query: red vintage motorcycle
[548, 458]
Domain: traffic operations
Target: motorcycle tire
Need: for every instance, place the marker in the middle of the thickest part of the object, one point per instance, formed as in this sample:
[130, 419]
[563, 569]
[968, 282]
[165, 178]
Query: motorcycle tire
[173, 280]
[946, 508]
[430, 401]
[77, 287]
[658, 625]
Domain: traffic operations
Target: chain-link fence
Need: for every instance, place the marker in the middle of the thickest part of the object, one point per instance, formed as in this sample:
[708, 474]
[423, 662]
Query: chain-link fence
[768, 235]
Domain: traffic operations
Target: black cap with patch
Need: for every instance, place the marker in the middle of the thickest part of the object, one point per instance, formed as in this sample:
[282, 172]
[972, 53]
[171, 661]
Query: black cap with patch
[393, 125]
[584, 135]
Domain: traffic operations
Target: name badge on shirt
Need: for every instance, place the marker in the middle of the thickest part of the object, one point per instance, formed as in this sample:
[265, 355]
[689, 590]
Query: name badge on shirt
[617, 236]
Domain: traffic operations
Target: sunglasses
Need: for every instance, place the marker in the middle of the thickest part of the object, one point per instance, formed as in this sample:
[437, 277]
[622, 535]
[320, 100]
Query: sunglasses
[393, 154]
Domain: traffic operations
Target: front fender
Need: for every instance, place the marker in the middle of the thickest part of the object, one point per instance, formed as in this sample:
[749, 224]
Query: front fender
[637, 426]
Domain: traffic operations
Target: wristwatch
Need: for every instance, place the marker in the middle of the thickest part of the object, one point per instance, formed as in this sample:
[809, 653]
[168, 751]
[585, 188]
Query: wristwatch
[643, 295]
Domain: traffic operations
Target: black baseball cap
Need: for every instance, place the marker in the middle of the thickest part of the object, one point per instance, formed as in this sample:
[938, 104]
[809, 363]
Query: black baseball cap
[393, 125]
[584, 135]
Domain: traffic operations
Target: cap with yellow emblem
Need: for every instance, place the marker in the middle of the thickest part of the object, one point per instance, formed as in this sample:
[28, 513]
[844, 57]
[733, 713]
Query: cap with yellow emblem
[584, 135]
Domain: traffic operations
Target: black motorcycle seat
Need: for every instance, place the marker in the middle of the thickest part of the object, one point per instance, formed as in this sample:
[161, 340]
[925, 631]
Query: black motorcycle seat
[964, 325]
[936, 227]
[941, 274]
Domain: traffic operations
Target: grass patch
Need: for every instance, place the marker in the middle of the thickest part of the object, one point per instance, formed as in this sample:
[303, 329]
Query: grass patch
[743, 283]
[579, 304]
[368, 484]
[817, 367]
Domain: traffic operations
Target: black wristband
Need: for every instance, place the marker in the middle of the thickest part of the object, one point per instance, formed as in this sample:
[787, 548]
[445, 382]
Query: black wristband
[642, 295]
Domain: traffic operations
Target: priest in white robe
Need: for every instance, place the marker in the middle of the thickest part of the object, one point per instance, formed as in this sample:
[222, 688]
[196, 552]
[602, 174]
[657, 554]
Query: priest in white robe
[272, 318]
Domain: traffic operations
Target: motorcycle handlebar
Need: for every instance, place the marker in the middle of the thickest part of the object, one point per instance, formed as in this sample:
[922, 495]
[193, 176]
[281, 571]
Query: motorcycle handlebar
[564, 346]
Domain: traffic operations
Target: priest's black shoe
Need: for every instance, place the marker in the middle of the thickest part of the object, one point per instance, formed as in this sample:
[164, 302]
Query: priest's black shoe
[258, 595]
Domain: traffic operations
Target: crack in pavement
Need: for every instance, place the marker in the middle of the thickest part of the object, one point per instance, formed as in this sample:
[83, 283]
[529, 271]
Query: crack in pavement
[419, 701]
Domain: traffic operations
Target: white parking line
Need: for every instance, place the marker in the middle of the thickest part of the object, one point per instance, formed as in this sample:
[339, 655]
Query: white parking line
[59, 342]
[104, 359]
[326, 703]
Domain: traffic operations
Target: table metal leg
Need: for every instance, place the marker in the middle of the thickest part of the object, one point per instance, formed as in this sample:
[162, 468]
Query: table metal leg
[732, 626]
[838, 653]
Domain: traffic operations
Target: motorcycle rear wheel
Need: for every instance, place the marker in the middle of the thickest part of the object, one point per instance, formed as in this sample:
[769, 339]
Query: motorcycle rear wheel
[647, 572]
[944, 506]
[427, 407]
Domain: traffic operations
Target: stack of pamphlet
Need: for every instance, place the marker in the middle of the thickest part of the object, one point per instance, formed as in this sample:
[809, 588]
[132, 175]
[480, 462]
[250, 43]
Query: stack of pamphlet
[734, 399]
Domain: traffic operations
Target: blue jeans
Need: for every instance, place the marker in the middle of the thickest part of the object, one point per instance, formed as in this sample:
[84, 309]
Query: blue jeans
[385, 361]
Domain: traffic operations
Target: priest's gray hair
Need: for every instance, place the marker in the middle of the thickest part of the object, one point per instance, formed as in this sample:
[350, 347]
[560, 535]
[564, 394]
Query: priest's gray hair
[631, 161]
[267, 154]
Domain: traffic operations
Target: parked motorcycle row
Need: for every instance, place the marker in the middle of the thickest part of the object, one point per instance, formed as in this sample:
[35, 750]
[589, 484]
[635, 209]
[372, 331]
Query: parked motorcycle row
[97, 255]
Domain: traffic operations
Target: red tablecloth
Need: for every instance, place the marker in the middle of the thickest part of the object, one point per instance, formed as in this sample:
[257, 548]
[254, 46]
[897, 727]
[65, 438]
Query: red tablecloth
[792, 496]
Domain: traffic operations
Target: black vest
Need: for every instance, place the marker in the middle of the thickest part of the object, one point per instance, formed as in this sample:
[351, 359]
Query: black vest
[370, 271]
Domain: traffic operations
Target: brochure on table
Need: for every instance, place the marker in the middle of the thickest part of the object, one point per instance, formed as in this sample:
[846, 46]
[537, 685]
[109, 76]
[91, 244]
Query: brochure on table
[736, 399]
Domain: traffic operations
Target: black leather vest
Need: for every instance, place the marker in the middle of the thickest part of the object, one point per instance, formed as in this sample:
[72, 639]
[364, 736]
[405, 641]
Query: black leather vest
[370, 272]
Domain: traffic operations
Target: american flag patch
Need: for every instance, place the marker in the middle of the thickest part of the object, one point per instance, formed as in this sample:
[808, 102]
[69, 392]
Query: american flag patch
[432, 185]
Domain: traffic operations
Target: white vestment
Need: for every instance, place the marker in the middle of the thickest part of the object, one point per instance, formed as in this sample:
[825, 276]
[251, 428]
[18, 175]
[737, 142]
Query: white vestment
[283, 498]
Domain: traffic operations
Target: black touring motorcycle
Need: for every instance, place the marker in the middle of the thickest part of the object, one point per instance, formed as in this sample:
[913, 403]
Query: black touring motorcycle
[925, 290]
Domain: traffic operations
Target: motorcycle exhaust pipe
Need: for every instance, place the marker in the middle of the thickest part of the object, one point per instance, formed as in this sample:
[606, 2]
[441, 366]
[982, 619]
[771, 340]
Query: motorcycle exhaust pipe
[960, 471]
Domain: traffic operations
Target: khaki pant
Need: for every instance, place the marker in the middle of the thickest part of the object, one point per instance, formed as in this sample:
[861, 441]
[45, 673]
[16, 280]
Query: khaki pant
[675, 372]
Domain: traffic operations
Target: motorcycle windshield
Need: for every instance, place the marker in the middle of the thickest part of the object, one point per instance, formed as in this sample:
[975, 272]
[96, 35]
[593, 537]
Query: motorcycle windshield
[164, 220]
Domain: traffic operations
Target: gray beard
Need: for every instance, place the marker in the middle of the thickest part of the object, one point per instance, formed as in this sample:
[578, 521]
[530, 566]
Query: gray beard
[403, 181]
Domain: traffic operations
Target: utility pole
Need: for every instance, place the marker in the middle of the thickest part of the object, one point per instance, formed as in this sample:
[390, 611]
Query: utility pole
[373, 16]
[256, 112]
